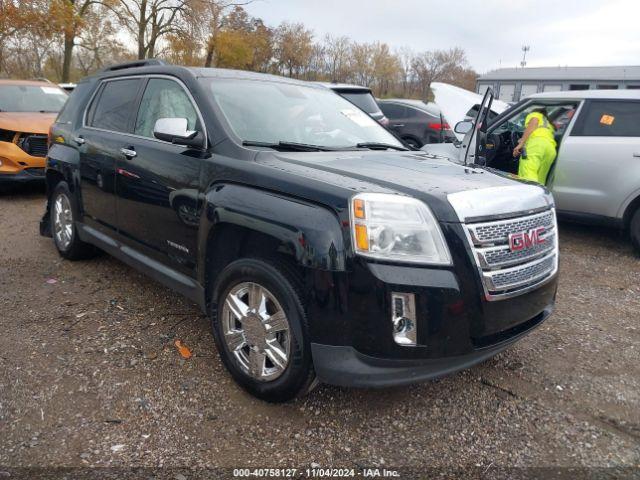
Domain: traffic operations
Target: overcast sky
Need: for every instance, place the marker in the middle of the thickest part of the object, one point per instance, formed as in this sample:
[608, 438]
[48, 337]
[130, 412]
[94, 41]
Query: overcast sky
[492, 32]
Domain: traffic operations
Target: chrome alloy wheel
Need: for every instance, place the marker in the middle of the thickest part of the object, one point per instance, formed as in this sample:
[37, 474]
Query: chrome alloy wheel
[62, 221]
[256, 331]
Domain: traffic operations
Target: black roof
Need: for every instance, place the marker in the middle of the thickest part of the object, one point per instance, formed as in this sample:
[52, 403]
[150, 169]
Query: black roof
[152, 65]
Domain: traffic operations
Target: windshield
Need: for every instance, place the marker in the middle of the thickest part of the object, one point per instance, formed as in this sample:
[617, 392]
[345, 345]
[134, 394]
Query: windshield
[31, 98]
[273, 112]
[363, 100]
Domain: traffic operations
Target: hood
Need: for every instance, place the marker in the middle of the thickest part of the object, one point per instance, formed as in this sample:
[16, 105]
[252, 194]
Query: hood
[28, 122]
[427, 177]
[455, 103]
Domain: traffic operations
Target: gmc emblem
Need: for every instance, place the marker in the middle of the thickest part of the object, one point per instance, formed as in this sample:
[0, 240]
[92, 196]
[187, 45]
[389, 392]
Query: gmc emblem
[522, 240]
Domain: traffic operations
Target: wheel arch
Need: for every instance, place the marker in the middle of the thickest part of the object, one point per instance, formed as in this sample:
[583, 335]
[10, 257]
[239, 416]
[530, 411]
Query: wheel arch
[241, 221]
[631, 208]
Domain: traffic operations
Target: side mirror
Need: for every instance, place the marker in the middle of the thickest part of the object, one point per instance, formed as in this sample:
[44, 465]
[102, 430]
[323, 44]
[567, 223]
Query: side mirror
[463, 127]
[174, 130]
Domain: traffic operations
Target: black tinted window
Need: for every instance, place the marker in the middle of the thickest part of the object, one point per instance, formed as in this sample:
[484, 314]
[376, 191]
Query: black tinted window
[115, 105]
[69, 111]
[603, 118]
[364, 101]
[393, 111]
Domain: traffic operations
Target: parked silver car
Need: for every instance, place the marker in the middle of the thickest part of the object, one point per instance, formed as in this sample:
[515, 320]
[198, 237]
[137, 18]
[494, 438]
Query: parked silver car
[596, 176]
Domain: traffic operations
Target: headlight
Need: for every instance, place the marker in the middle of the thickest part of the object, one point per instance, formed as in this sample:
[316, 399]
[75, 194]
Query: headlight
[396, 228]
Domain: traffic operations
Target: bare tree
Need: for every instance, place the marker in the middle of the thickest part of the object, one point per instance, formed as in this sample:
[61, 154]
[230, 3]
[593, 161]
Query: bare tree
[70, 15]
[148, 21]
[436, 66]
[293, 48]
[337, 50]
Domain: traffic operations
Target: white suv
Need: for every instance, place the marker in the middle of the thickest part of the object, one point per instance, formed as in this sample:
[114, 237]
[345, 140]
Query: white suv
[596, 176]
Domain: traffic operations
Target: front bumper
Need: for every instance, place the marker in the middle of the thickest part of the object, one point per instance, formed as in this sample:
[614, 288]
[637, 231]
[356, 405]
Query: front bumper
[345, 366]
[352, 331]
[23, 176]
[17, 166]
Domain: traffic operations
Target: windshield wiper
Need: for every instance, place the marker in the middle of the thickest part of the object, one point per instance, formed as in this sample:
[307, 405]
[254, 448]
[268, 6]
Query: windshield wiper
[380, 146]
[287, 146]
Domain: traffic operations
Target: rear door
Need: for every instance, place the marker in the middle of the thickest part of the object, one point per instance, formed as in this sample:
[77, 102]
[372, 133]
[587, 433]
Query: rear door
[598, 164]
[157, 182]
[99, 141]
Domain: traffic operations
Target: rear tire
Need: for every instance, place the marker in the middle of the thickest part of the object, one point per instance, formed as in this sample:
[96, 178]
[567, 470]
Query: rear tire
[259, 325]
[634, 230]
[64, 214]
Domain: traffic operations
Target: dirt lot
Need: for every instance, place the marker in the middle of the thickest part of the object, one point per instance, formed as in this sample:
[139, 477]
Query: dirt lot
[89, 376]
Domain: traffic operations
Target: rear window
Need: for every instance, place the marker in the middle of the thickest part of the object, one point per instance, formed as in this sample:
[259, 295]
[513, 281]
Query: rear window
[70, 109]
[363, 100]
[607, 118]
[114, 106]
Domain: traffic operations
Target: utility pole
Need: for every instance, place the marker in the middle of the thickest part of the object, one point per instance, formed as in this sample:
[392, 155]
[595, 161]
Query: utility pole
[525, 49]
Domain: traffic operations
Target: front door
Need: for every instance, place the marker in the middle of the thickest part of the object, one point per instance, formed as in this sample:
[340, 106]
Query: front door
[99, 142]
[599, 160]
[472, 148]
[157, 181]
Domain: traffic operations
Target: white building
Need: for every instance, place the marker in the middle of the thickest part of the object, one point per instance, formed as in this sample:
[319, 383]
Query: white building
[513, 84]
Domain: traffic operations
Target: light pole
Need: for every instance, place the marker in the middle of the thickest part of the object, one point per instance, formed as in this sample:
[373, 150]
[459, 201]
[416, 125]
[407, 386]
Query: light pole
[525, 49]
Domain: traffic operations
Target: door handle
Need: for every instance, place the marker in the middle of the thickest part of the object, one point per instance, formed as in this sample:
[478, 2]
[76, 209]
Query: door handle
[398, 125]
[636, 154]
[79, 140]
[128, 152]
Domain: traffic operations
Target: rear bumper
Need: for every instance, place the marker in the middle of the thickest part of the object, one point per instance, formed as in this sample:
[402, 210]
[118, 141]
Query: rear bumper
[345, 366]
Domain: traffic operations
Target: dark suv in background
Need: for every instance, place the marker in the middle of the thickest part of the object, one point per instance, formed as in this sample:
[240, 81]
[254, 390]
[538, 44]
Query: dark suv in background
[361, 97]
[320, 247]
[416, 122]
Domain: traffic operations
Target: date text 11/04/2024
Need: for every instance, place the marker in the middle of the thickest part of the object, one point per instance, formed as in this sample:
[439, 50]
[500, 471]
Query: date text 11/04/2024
[315, 473]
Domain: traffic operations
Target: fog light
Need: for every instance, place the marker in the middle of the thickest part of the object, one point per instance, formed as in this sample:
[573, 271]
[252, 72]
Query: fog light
[403, 316]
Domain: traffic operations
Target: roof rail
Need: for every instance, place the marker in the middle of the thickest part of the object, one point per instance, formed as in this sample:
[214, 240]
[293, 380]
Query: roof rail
[133, 64]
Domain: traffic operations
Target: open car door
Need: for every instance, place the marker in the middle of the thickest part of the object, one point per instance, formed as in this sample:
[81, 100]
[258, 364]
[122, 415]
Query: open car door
[471, 151]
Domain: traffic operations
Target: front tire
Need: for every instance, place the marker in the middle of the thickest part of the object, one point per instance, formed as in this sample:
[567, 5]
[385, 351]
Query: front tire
[259, 325]
[634, 230]
[63, 225]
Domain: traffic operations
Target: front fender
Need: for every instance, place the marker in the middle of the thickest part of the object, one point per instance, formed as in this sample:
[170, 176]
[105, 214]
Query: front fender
[310, 233]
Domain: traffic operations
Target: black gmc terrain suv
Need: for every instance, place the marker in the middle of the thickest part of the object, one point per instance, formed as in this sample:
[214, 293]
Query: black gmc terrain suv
[321, 248]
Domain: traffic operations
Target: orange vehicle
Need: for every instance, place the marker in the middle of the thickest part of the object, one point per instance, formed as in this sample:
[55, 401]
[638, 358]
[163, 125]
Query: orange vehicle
[27, 110]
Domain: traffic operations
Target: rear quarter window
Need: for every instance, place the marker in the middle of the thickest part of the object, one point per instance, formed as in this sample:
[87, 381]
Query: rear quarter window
[609, 118]
[70, 110]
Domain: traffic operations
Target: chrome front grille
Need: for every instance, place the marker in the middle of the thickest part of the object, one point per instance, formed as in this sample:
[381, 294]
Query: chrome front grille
[506, 271]
[491, 232]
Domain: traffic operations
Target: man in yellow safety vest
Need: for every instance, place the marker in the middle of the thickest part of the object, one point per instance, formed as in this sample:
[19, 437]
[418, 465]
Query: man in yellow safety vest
[537, 146]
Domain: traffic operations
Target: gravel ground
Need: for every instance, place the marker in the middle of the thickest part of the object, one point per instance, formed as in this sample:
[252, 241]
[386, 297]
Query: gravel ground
[90, 377]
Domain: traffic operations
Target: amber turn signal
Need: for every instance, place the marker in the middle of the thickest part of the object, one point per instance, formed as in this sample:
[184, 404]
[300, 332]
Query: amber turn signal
[358, 208]
[362, 237]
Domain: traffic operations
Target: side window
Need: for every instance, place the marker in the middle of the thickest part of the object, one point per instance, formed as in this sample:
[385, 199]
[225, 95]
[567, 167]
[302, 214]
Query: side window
[391, 110]
[115, 104]
[606, 118]
[164, 98]
[412, 112]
